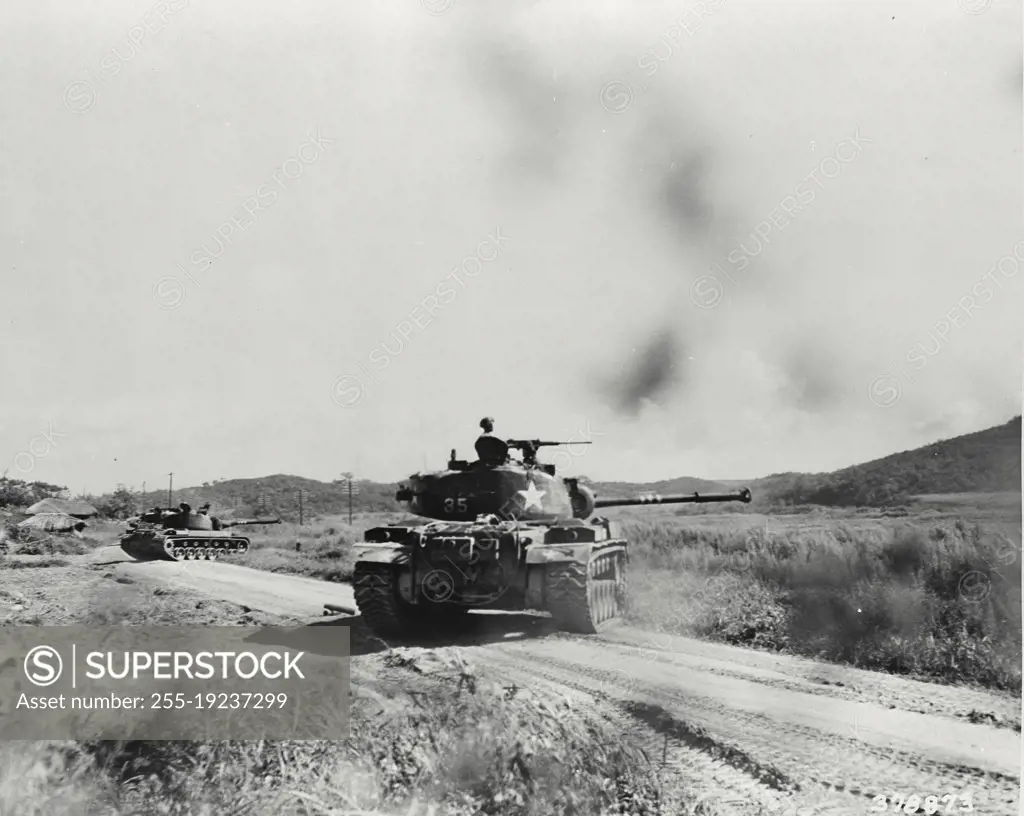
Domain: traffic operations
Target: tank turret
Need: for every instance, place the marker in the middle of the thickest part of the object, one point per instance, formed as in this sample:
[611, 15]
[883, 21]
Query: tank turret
[523, 490]
[502, 534]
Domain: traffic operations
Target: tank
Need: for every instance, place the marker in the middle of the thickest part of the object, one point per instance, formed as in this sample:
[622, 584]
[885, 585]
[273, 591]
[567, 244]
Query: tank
[500, 533]
[181, 535]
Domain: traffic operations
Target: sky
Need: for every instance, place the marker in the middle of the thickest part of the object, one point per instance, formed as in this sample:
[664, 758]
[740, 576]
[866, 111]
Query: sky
[721, 239]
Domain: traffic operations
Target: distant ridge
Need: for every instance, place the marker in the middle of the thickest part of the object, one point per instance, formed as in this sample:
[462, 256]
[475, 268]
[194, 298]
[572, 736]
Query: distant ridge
[982, 462]
[241, 497]
[985, 461]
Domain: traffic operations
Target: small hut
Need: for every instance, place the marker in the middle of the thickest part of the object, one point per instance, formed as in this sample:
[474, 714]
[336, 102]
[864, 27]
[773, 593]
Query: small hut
[64, 507]
[52, 523]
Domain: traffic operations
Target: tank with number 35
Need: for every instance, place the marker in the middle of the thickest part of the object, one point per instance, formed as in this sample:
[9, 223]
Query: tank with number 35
[499, 533]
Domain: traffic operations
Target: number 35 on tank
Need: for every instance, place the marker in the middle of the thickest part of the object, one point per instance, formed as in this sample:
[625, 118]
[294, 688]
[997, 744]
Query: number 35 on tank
[928, 804]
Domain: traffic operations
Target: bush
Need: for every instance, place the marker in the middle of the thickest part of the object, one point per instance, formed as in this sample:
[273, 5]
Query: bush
[940, 601]
[46, 561]
[745, 613]
[51, 545]
[466, 749]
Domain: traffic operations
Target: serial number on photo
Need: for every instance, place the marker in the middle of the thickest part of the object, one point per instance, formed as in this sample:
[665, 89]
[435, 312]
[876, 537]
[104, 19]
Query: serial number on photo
[254, 701]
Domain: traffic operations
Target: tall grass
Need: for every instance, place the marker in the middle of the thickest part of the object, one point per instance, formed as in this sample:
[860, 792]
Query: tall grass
[940, 601]
[320, 550]
[465, 750]
[936, 598]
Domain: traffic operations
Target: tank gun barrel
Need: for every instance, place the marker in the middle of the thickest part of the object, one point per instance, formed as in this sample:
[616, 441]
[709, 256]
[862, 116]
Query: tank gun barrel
[689, 498]
[238, 522]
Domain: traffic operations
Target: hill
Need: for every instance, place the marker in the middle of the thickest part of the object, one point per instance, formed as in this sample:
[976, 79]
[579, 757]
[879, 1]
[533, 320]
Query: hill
[982, 462]
[280, 493]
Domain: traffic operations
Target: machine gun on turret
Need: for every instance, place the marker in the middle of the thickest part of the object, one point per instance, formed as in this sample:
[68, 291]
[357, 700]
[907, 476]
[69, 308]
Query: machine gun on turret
[529, 447]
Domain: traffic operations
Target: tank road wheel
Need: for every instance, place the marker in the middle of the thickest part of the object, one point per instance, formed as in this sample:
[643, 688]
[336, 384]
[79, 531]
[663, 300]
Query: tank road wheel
[376, 591]
[588, 598]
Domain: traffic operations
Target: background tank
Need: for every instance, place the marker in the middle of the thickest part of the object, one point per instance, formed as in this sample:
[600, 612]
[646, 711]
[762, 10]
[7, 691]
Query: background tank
[182, 535]
[502, 535]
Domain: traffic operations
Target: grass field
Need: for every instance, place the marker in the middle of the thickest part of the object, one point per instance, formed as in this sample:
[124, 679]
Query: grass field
[933, 590]
[324, 546]
[444, 753]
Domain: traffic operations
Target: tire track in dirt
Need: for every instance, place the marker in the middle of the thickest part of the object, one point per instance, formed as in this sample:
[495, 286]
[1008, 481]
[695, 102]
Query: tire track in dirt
[708, 776]
[810, 764]
[814, 677]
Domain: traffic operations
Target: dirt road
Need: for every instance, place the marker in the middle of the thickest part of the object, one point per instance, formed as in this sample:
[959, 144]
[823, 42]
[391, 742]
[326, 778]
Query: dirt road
[763, 732]
[290, 596]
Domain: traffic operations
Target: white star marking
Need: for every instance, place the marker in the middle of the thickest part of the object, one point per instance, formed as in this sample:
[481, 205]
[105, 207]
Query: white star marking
[531, 496]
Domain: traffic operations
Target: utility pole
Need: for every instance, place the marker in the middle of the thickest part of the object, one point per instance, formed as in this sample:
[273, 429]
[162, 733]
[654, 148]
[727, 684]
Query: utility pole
[170, 490]
[352, 490]
[303, 494]
[143, 489]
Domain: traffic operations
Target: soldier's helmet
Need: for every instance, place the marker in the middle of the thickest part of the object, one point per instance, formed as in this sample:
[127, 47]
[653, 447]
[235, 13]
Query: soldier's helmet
[185, 507]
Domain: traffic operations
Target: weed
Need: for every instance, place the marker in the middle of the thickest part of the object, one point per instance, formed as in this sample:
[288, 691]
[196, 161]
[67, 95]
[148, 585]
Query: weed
[939, 601]
[461, 751]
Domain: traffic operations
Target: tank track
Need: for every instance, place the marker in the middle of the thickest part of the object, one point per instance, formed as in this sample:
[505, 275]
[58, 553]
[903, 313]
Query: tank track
[376, 592]
[588, 598]
[384, 611]
[182, 547]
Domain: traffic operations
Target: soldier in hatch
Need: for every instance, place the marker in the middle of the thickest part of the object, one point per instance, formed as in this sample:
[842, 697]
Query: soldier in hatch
[205, 511]
[490, 449]
[181, 517]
